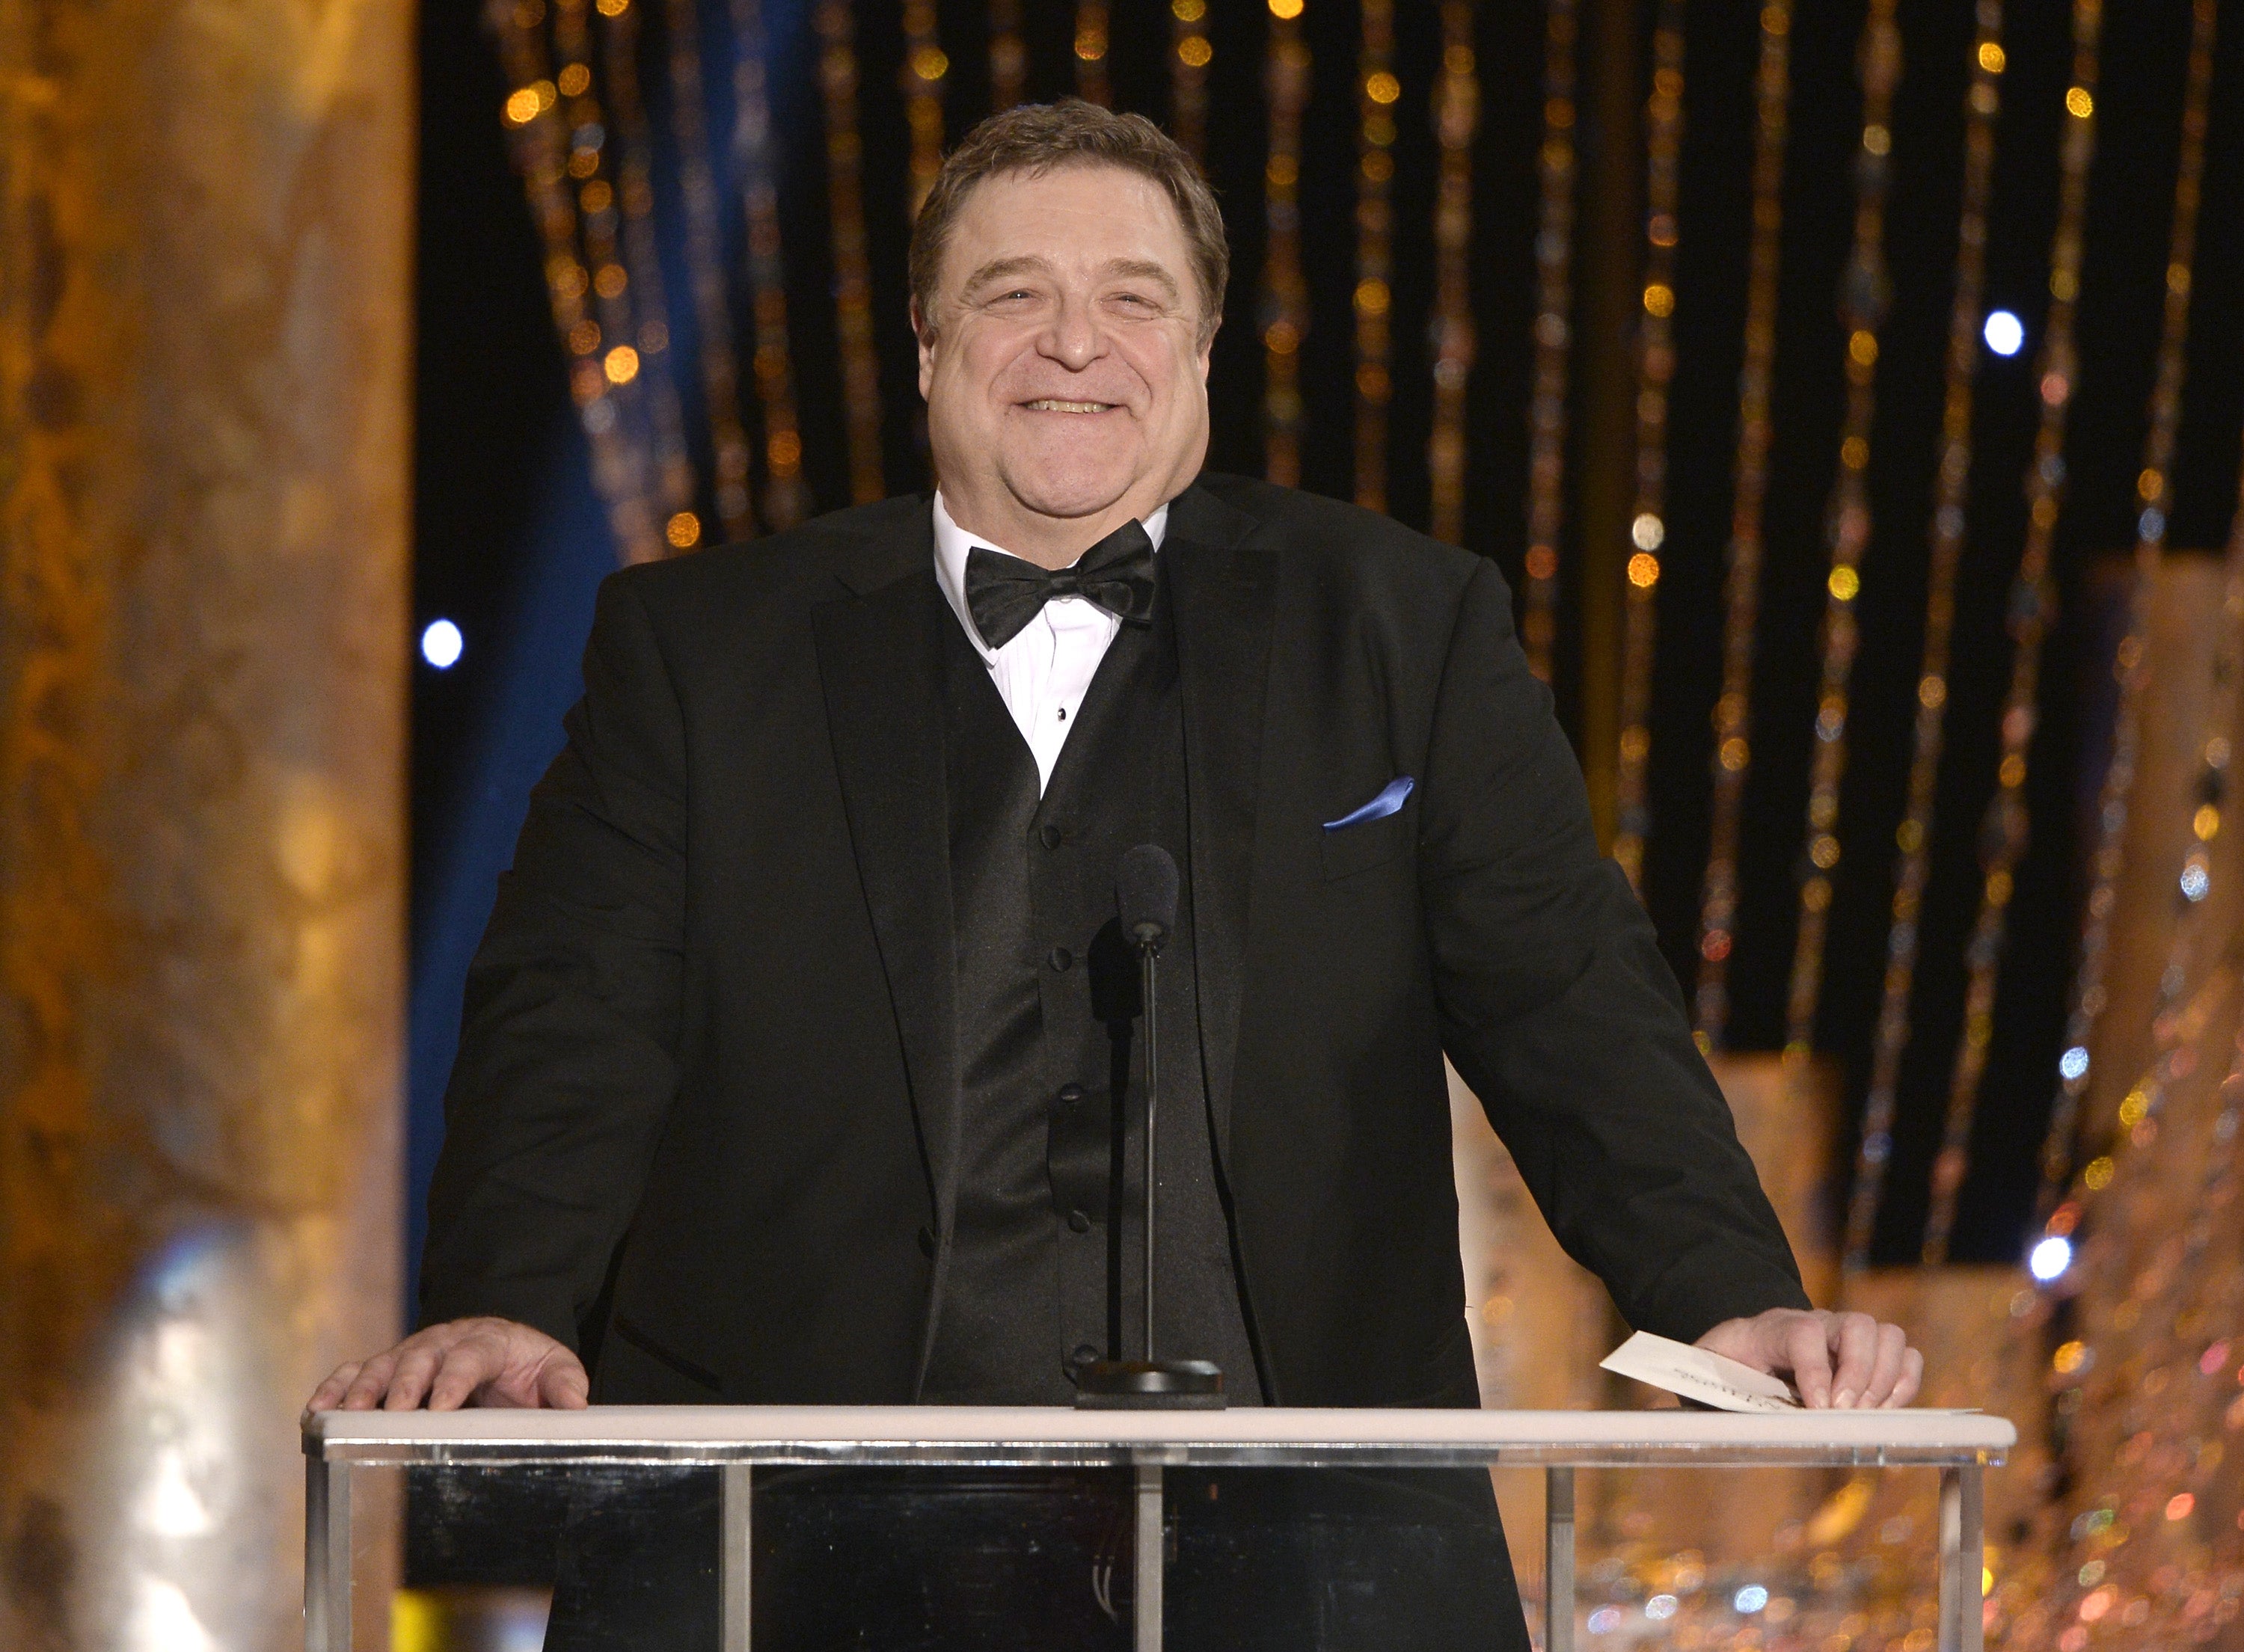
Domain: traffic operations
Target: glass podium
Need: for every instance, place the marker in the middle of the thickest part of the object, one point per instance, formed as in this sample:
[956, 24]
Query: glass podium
[697, 1489]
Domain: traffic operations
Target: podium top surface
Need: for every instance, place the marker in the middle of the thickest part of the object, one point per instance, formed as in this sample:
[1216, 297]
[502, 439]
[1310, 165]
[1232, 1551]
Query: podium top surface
[1272, 1437]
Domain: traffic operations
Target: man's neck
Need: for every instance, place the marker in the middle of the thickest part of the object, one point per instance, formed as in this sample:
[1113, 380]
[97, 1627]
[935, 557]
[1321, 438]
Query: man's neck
[1049, 542]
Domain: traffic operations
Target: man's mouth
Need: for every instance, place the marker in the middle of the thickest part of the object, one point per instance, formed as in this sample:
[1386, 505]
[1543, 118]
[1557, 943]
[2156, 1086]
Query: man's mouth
[1054, 404]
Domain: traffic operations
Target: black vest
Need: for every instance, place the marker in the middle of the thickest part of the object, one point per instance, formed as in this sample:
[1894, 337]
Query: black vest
[1042, 1276]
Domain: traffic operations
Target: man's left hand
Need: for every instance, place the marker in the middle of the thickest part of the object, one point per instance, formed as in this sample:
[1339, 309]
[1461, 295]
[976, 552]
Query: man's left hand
[1845, 1361]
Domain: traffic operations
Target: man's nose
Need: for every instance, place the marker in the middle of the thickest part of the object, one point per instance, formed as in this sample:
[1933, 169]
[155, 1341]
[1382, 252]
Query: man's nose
[1074, 338]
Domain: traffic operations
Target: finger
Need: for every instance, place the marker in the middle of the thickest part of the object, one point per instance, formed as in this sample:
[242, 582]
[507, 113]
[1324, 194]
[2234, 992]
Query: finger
[1854, 1340]
[468, 1365]
[1885, 1365]
[408, 1384]
[1807, 1348]
[562, 1383]
[1911, 1381]
[371, 1383]
[324, 1397]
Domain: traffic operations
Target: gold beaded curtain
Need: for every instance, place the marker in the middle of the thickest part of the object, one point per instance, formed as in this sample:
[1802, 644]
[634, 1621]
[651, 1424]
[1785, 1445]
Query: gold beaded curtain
[1857, 664]
[724, 190]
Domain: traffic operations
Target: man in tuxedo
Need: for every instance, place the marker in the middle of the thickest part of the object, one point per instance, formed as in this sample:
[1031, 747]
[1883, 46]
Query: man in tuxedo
[793, 1053]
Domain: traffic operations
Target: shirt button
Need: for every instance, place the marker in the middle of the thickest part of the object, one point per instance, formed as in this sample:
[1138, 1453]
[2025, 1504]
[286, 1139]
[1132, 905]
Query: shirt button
[1049, 837]
[1085, 1354]
[1069, 1095]
[1061, 958]
[1077, 1222]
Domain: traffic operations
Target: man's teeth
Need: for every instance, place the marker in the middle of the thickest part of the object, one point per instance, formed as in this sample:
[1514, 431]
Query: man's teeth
[1051, 404]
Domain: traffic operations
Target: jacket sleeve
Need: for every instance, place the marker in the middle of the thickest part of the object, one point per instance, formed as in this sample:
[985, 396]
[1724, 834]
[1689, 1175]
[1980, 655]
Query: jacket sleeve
[1560, 1011]
[568, 1048]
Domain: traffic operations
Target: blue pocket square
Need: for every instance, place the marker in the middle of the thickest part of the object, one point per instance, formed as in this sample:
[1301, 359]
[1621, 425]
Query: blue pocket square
[1389, 801]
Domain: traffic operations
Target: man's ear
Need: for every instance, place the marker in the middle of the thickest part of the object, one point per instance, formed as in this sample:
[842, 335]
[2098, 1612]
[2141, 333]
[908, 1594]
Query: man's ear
[924, 333]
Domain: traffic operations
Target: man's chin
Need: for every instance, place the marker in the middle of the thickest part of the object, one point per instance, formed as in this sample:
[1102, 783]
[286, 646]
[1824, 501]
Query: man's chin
[1067, 494]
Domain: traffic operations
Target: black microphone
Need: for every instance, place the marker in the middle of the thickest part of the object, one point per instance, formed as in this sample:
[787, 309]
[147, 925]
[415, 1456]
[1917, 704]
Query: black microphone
[1145, 897]
[1145, 890]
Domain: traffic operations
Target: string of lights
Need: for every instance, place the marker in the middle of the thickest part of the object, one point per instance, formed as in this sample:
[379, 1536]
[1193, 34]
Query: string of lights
[1457, 110]
[1914, 836]
[1090, 43]
[926, 67]
[2138, 1120]
[1285, 306]
[2003, 834]
[1190, 53]
[1546, 413]
[720, 387]
[853, 280]
[1865, 298]
[1377, 89]
[640, 272]
[1741, 594]
[558, 143]
[773, 363]
[1009, 55]
[2130, 665]
[1656, 366]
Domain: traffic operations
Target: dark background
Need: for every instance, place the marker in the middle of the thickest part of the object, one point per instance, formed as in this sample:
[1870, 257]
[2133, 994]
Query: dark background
[511, 540]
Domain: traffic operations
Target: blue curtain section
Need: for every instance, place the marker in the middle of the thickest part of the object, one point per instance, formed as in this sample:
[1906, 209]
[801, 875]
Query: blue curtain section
[516, 731]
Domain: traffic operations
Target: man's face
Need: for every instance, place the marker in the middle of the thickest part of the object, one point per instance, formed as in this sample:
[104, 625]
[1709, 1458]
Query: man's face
[1067, 372]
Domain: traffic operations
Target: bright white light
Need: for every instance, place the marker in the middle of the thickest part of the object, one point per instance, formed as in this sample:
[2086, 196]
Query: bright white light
[170, 1506]
[1603, 1621]
[1751, 1598]
[2195, 882]
[1659, 1606]
[162, 1621]
[2005, 333]
[2051, 1257]
[2073, 1062]
[441, 644]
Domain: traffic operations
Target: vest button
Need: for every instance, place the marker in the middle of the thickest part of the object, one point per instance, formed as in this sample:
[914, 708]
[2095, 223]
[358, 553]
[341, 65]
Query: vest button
[1085, 1354]
[1049, 837]
[927, 1242]
[1071, 1093]
[1061, 958]
[1078, 1221]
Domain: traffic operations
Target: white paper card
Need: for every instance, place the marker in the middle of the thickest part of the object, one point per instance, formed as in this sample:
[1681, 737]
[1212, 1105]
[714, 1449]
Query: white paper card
[1699, 1374]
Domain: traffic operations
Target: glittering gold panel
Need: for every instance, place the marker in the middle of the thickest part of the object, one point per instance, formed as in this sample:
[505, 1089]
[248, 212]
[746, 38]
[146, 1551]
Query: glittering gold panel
[204, 305]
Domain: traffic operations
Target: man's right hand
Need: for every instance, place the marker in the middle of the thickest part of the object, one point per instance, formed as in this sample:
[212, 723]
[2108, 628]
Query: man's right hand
[462, 1362]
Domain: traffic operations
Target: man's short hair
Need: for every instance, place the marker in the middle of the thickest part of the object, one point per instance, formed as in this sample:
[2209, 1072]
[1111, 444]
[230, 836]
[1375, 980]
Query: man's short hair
[1035, 137]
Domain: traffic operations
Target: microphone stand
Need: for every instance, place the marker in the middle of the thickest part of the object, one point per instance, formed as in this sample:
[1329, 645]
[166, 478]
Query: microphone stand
[1148, 980]
[1151, 1383]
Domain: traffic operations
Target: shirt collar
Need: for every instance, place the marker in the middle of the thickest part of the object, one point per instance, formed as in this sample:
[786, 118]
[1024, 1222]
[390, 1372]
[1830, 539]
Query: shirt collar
[952, 543]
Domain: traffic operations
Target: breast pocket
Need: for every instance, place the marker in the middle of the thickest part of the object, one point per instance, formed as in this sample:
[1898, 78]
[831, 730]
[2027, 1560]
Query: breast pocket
[1368, 844]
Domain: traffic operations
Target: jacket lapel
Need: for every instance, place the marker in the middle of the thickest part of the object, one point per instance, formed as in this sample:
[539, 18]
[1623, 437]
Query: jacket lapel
[1224, 597]
[880, 663]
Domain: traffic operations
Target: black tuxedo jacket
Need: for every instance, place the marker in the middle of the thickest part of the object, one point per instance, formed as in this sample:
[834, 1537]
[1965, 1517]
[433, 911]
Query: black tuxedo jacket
[704, 1120]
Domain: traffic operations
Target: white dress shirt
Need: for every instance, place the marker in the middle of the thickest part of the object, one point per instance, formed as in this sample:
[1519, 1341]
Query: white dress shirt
[1045, 669]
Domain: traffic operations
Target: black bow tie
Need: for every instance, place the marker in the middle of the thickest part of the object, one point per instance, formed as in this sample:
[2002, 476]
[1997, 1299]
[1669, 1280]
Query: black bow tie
[1004, 593]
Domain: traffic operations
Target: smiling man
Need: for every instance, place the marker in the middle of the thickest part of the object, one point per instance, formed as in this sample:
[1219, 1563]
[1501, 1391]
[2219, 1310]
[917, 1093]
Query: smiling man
[795, 1057]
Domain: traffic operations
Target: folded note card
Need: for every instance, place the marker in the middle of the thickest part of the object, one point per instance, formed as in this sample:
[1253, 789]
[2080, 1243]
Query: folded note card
[1699, 1374]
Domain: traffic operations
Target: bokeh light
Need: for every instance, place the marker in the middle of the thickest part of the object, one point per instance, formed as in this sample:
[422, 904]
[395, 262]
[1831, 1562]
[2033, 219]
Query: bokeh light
[441, 644]
[2050, 1258]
